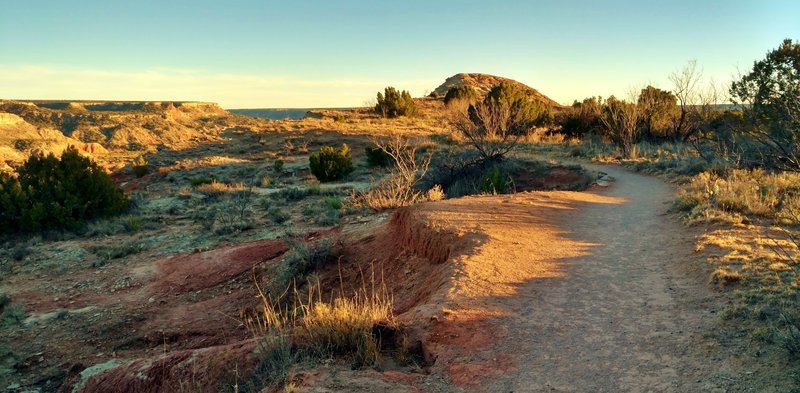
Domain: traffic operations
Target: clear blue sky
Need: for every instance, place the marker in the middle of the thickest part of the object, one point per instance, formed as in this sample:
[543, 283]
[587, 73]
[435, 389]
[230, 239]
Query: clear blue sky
[339, 53]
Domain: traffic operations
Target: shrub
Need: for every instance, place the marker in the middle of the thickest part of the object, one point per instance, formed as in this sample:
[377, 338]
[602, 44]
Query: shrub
[377, 157]
[14, 314]
[333, 202]
[278, 215]
[277, 167]
[5, 300]
[460, 93]
[140, 167]
[399, 188]
[394, 103]
[53, 193]
[493, 182]
[199, 181]
[331, 164]
[494, 125]
[298, 262]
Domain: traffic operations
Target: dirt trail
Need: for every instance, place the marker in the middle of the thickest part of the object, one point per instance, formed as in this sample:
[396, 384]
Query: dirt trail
[572, 292]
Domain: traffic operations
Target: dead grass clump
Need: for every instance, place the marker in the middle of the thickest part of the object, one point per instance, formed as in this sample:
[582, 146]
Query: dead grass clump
[344, 326]
[215, 188]
[724, 277]
[316, 328]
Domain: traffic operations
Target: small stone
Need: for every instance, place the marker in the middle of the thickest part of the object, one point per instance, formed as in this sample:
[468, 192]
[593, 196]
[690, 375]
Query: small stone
[151, 300]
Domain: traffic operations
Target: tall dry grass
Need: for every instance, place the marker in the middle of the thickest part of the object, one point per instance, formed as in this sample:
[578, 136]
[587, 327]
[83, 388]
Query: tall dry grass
[742, 192]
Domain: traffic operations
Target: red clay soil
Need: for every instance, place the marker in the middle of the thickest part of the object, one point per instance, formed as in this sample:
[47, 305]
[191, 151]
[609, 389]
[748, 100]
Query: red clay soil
[175, 326]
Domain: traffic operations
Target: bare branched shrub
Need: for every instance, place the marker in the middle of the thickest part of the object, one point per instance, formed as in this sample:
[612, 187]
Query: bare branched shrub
[399, 189]
[620, 121]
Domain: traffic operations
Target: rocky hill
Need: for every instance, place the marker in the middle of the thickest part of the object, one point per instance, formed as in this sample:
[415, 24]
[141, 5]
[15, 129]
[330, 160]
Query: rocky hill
[484, 82]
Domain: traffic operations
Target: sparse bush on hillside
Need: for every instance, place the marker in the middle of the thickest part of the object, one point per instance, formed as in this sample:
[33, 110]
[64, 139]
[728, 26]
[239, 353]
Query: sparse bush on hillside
[494, 125]
[331, 164]
[394, 103]
[462, 93]
[57, 193]
[140, 166]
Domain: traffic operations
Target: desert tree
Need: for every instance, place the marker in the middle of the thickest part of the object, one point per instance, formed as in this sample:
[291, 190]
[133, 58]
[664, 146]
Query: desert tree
[769, 95]
[685, 83]
[658, 108]
[582, 116]
[495, 124]
[620, 121]
[394, 103]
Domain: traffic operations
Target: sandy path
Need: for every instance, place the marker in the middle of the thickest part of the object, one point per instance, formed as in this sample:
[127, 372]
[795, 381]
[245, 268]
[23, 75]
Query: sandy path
[578, 292]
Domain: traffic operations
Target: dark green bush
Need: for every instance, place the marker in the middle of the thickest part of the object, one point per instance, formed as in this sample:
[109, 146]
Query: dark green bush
[199, 181]
[377, 157]
[331, 164]
[277, 167]
[394, 103]
[493, 182]
[464, 92]
[53, 193]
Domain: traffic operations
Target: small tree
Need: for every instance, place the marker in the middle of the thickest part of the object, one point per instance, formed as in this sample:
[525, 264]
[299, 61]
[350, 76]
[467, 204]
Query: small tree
[770, 98]
[658, 108]
[330, 163]
[582, 117]
[621, 123]
[394, 103]
[57, 193]
[494, 125]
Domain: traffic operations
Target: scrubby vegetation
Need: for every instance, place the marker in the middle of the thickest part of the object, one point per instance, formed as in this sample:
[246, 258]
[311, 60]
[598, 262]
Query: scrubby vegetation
[330, 163]
[495, 125]
[393, 103]
[57, 193]
[462, 93]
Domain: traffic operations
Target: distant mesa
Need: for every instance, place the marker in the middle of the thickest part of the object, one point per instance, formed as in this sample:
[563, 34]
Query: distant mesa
[482, 83]
[120, 106]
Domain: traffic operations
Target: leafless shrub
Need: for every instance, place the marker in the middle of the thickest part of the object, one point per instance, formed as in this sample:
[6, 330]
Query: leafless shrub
[399, 188]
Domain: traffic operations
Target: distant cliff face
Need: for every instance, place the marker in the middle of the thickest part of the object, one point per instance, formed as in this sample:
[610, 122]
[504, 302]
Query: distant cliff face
[482, 83]
[124, 125]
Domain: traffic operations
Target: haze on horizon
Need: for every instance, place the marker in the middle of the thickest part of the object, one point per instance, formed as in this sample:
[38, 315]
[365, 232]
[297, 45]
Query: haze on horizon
[259, 54]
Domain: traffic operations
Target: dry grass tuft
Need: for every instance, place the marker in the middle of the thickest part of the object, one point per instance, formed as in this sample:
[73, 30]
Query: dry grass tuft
[747, 192]
[342, 326]
[724, 277]
[216, 188]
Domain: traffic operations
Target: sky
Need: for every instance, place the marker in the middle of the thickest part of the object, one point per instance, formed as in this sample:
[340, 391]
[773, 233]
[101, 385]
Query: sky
[302, 54]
